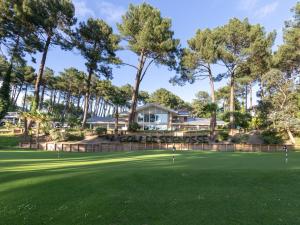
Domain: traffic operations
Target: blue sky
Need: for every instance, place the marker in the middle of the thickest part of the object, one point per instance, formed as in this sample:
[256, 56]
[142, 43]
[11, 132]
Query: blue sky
[187, 16]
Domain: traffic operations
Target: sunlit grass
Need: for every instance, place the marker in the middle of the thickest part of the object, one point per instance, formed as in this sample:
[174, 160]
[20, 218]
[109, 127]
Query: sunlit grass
[9, 141]
[146, 187]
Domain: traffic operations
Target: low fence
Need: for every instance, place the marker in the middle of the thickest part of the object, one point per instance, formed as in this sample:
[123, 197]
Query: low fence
[109, 147]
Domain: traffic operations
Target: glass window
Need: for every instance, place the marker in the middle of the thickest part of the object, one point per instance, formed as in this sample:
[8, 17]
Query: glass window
[152, 118]
[140, 117]
[161, 118]
[146, 117]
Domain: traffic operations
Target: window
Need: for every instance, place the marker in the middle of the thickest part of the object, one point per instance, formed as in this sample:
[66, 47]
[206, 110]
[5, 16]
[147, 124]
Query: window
[152, 118]
[161, 118]
[140, 117]
[146, 118]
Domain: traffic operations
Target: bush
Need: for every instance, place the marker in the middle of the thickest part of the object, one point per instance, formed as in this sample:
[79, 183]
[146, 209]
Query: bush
[57, 135]
[46, 127]
[134, 127]
[271, 137]
[240, 138]
[222, 136]
[62, 135]
[74, 136]
[73, 121]
[242, 120]
[101, 130]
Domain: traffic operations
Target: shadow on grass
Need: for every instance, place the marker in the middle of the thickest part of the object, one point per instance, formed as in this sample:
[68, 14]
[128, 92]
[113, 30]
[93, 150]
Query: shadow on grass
[8, 141]
[132, 188]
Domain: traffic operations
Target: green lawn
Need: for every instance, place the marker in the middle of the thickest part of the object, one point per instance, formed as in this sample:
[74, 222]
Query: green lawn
[139, 188]
[8, 141]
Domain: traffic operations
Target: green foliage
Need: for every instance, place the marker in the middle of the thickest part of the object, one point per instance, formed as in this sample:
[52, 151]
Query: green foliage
[5, 95]
[147, 31]
[74, 136]
[240, 139]
[243, 49]
[272, 137]
[242, 120]
[73, 121]
[196, 61]
[202, 105]
[97, 44]
[222, 135]
[101, 130]
[65, 135]
[134, 127]
[52, 19]
[166, 98]
[279, 105]
[57, 135]
[150, 37]
[287, 57]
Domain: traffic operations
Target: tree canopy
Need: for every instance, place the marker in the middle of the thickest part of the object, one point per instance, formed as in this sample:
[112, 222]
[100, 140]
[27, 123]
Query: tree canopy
[150, 37]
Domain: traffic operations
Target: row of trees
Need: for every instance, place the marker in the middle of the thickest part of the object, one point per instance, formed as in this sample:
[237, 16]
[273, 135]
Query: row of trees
[243, 50]
[28, 27]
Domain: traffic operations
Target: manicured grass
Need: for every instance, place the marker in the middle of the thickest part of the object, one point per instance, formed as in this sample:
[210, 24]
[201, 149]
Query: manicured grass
[8, 141]
[136, 188]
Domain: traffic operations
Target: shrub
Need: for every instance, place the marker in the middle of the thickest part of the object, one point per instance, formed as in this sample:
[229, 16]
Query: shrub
[242, 120]
[101, 130]
[240, 138]
[46, 127]
[63, 135]
[222, 136]
[271, 137]
[57, 135]
[73, 121]
[74, 136]
[134, 127]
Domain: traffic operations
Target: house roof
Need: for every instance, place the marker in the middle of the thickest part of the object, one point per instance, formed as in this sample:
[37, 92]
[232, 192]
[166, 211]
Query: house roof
[202, 122]
[148, 105]
[105, 120]
[11, 115]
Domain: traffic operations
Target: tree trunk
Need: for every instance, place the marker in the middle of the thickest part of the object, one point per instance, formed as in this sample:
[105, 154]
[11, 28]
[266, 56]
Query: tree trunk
[54, 98]
[231, 104]
[101, 107]
[5, 92]
[59, 96]
[42, 97]
[246, 98]
[18, 94]
[116, 120]
[292, 139]
[135, 93]
[213, 119]
[250, 100]
[87, 98]
[13, 93]
[66, 107]
[39, 77]
[5, 88]
[78, 102]
[25, 97]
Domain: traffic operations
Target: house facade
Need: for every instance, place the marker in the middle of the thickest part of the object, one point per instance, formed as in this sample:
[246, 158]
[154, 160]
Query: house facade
[153, 116]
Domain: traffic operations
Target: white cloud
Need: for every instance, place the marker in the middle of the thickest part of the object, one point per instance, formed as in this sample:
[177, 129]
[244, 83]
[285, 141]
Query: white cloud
[111, 12]
[266, 9]
[82, 10]
[247, 4]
